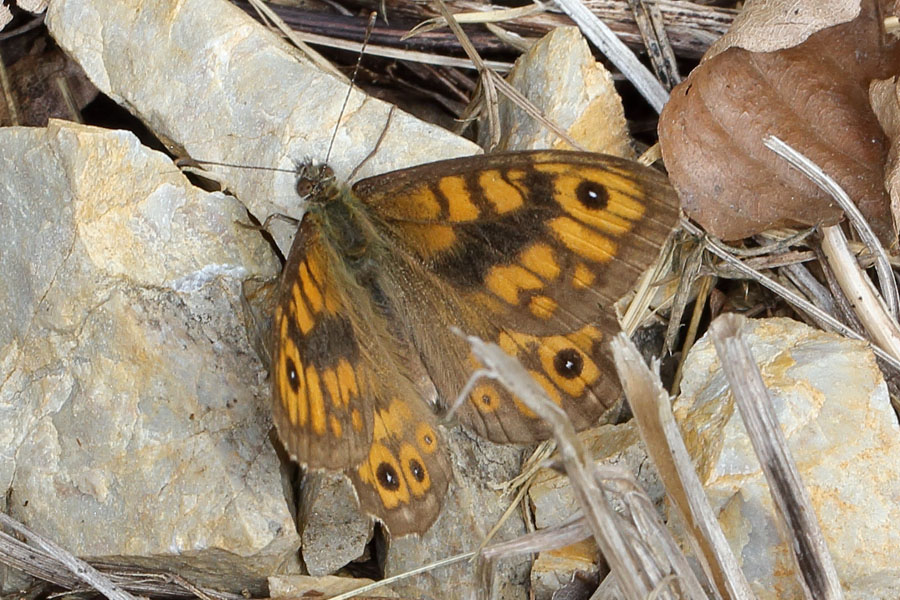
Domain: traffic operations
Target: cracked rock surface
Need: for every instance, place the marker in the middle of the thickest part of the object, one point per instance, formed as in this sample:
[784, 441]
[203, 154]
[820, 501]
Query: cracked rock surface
[133, 418]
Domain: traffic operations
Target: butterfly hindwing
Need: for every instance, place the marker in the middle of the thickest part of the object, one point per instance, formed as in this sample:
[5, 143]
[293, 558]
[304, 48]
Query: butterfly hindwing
[406, 472]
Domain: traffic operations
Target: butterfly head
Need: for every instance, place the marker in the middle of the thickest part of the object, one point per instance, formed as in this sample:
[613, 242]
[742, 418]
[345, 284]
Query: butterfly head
[316, 182]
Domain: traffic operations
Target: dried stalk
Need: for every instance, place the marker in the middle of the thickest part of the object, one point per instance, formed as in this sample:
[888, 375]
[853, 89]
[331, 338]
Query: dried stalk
[617, 52]
[653, 414]
[818, 576]
[829, 185]
[798, 302]
[649, 21]
[864, 299]
[83, 571]
[630, 568]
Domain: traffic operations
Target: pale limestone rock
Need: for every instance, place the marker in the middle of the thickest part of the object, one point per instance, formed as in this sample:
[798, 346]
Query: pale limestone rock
[332, 529]
[204, 75]
[833, 406]
[472, 506]
[560, 76]
[133, 417]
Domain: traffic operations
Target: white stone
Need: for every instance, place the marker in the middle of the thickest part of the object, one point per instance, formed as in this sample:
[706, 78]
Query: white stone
[133, 420]
[551, 492]
[561, 77]
[204, 75]
[833, 406]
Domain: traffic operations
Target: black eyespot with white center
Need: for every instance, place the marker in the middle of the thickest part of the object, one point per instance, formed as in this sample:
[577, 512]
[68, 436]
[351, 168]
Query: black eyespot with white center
[293, 377]
[388, 477]
[417, 470]
[568, 363]
[592, 195]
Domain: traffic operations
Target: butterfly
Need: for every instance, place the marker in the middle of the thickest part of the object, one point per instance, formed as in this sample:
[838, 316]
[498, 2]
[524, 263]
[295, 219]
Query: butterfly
[526, 249]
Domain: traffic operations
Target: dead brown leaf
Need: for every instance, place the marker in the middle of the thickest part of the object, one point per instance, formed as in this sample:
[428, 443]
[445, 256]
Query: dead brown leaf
[769, 25]
[813, 96]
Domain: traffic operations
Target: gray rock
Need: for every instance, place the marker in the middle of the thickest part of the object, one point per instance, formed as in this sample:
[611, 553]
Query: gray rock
[133, 417]
[205, 76]
[571, 88]
[833, 406]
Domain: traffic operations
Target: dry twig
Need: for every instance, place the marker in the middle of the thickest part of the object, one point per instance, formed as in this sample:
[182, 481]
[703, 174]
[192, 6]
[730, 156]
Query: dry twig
[818, 576]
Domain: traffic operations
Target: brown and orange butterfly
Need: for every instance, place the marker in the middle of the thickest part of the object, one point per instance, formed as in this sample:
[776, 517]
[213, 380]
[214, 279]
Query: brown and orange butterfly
[527, 249]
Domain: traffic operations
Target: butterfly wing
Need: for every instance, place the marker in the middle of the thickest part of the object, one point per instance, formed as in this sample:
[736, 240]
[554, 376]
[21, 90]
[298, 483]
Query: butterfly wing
[529, 250]
[333, 406]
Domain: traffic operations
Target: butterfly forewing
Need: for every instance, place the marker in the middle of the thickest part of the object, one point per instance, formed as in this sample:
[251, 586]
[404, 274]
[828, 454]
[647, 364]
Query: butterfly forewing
[529, 250]
[336, 405]
[320, 398]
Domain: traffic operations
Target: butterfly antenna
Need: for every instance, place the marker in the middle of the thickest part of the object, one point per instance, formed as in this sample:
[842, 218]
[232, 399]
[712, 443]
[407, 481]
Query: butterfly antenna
[371, 24]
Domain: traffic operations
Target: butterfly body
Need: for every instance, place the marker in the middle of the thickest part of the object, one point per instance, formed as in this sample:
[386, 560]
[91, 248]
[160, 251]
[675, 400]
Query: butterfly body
[525, 249]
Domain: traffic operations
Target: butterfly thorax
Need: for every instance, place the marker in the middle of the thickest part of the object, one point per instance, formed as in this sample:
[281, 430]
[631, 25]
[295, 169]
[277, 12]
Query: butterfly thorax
[343, 223]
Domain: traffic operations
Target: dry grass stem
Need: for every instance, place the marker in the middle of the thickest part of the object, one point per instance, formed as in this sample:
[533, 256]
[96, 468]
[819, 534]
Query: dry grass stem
[46, 567]
[854, 216]
[800, 276]
[8, 96]
[320, 61]
[784, 259]
[669, 75]
[510, 38]
[650, 528]
[638, 310]
[650, 155]
[617, 52]
[653, 414]
[572, 531]
[498, 15]
[303, 39]
[649, 21]
[83, 571]
[842, 303]
[690, 266]
[779, 245]
[790, 297]
[818, 575]
[865, 300]
[690, 336]
[491, 83]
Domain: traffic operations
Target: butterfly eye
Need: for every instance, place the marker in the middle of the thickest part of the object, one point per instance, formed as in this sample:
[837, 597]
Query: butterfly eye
[568, 363]
[305, 187]
[388, 477]
[592, 195]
